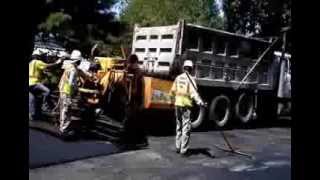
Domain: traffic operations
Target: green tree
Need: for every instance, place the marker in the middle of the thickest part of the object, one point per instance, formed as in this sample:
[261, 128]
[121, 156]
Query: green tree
[81, 24]
[166, 12]
[257, 17]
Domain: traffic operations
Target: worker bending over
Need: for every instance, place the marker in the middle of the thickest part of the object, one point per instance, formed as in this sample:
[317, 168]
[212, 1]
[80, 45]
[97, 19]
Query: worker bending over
[36, 70]
[68, 88]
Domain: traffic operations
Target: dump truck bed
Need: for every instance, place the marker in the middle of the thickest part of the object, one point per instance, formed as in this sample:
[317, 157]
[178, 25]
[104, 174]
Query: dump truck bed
[221, 58]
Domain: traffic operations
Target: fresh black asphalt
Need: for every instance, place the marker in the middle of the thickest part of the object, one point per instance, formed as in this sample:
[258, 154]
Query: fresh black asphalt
[45, 149]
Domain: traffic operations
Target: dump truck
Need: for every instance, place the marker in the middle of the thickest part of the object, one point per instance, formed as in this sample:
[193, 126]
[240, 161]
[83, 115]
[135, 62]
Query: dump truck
[240, 77]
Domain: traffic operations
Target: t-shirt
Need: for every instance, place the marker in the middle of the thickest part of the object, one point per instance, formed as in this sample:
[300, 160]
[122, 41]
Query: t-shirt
[36, 68]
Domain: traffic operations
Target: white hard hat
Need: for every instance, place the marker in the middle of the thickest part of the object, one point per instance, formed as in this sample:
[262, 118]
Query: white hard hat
[76, 55]
[36, 52]
[43, 51]
[52, 53]
[68, 63]
[63, 54]
[187, 63]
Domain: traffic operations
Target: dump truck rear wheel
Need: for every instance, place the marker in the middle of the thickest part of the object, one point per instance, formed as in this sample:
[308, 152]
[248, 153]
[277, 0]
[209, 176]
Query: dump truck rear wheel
[244, 107]
[219, 111]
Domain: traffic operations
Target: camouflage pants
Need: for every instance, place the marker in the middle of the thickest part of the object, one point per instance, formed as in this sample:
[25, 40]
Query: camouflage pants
[65, 116]
[183, 128]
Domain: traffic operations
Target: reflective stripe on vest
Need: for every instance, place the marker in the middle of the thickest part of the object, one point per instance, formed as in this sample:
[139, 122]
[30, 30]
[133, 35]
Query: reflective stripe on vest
[65, 86]
[183, 93]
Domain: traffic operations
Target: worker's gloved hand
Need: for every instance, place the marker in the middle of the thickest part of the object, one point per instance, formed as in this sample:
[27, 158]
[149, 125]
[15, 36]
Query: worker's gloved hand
[203, 104]
[59, 61]
[95, 79]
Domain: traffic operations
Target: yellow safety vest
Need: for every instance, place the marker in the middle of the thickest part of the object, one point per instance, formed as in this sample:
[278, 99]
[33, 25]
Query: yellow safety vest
[36, 68]
[105, 62]
[181, 90]
[64, 85]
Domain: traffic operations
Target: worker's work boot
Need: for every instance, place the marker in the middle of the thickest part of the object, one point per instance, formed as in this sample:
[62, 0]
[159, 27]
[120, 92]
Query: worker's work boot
[186, 154]
[177, 151]
[98, 112]
[68, 135]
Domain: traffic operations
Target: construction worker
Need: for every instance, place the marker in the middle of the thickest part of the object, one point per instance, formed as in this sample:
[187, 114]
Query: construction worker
[68, 87]
[136, 134]
[184, 91]
[133, 68]
[36, 69]
[132, 64]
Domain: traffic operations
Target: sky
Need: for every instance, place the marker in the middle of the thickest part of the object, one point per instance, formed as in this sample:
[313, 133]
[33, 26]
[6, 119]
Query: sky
[219, 3]
[117, 8]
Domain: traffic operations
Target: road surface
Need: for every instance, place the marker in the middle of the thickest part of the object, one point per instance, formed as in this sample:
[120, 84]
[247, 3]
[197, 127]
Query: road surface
[270, 146]
[45, 149]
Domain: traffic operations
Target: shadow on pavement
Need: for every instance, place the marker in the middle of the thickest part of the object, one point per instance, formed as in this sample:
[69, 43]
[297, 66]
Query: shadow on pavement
[158, 123]
[47, 146]
[203, 151]
[45, 149]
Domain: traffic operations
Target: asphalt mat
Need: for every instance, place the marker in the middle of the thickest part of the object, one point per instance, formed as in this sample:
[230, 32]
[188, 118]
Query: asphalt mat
[45, 149]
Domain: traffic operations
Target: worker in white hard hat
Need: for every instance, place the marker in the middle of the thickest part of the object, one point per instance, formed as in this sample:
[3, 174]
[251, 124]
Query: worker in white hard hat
[36, 54]
[184, 91]
[36, 86]
[68, 87]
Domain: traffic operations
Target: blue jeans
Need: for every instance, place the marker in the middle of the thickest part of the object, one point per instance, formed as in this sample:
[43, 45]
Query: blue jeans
[35, 103]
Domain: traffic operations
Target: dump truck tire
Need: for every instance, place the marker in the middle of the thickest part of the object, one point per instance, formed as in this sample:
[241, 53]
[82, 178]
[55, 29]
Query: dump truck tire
[244, 99]
[220, 119]
[200, 117]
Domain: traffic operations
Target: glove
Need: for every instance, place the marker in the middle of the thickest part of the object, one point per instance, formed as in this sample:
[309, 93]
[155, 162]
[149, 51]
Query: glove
[203, 104]
[95, 79]
[59, 61]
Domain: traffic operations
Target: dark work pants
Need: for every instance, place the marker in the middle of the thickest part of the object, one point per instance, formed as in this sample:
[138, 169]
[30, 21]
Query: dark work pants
[34, 103]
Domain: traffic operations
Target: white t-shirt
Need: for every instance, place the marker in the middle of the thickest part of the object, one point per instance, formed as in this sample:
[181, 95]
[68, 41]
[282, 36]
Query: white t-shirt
[84, 65]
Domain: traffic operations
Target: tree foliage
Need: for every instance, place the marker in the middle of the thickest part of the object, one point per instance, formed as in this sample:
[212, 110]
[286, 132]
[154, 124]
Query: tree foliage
[167, 12]
[257, 17]
[80, 24]
[55, 21]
